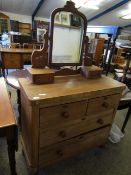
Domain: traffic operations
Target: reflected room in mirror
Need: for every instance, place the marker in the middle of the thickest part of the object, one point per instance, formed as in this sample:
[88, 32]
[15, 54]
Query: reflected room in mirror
[67, 41]
[67, 33]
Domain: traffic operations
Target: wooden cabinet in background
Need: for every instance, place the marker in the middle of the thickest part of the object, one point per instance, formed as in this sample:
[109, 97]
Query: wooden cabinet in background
[4, 23]
[96, 47]
[21, 39]
[25, 28]
[14, 25]
[65, 118]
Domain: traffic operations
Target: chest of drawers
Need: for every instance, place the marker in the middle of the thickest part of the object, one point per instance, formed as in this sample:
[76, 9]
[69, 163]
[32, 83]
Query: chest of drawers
[67, 117]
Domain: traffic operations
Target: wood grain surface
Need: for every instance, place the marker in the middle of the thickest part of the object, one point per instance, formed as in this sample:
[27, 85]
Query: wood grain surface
[69, 89]
[7, 116]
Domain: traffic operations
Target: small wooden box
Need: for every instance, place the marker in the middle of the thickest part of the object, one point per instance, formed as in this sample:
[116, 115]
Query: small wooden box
[40, 76]
[91, 71]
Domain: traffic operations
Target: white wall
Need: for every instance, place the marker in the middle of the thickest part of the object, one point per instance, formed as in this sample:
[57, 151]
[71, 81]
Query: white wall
[125, 32]
[22, 18]
[18, 17]
[42, 19]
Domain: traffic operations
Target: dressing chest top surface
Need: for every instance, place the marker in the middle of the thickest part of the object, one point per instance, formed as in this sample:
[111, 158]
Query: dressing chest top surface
[74, 86]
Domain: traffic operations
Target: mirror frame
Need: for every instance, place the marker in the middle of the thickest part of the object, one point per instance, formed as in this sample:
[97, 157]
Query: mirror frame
[69, 7]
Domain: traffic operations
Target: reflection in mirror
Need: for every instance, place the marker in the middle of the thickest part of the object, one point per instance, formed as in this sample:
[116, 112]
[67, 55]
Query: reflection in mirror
[67, 38]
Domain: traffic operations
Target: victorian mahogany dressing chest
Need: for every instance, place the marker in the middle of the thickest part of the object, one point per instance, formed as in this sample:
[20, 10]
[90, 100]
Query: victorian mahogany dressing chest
[67, 117]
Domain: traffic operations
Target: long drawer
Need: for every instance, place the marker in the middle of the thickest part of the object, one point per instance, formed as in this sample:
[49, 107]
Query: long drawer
[102, 104]
[62, 115]
[54, 135]
[73, 146]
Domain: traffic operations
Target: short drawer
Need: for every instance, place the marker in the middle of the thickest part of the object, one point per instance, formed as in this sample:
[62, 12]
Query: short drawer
[102, 104]
[73, 146]
[62, 115]
[55, 135]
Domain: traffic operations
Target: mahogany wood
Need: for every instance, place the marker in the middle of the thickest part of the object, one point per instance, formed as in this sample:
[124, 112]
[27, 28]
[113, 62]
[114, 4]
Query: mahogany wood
[5, 107]
[87, 57]
[96, 47]
[11, 61]
[39, 58]
[14, 58]
[91, 71]
[40, 76]
[8, 125]
[66, 71]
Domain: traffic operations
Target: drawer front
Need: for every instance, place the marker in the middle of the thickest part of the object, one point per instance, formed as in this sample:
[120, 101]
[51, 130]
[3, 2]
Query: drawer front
[62, 115]
[55, 135]
[12, 60]
[73, 146]
[102, 104]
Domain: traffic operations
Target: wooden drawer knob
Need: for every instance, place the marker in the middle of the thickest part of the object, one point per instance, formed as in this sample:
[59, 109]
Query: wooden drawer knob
[62, 134]
[60, 153]
[105, 105]
[100, 121]
[65, 114]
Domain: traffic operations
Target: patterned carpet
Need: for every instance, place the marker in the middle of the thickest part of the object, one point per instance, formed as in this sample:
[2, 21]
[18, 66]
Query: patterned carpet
[112, 159]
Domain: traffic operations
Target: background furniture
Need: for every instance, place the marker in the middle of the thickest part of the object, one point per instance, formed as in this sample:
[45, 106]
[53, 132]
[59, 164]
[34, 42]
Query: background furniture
[14, 25]
[12, 80]
[25, 28]
[12, 58]
[28, 46]
[112, 32]
[38, 25]
[125, 102]
[8, 125]
[96, 48]
[4, 23]
[124, 74]
[15, 45]
[69, 116]
[21, 38]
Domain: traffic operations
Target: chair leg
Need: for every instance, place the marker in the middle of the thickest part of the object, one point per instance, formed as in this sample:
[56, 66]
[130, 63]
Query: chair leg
[19, 105]
[3, 72]
[9, 94]
[126, 119]
[0, 72]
